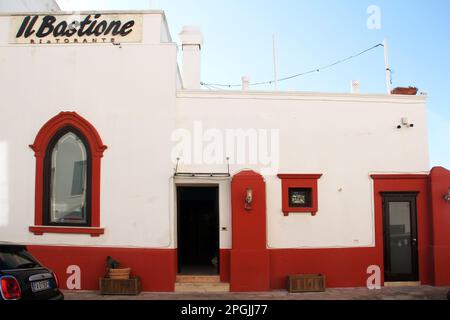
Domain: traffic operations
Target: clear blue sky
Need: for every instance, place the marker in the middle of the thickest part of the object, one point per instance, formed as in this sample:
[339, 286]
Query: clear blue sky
[238, 41]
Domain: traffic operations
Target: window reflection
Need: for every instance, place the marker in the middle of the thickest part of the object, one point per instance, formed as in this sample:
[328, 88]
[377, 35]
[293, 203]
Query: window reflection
[400, 234]
[68, 182]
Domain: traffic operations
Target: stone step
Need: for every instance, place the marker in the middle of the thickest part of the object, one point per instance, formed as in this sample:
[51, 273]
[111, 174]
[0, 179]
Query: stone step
[197, 279]
[402, 284]
[202, 287]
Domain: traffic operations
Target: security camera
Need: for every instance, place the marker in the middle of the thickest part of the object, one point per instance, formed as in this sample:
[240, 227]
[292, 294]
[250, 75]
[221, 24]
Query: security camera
[405, 123]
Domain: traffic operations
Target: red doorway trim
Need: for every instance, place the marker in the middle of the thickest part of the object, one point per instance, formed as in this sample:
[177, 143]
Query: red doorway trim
[406, 183]
[398, 176]
[39, 147]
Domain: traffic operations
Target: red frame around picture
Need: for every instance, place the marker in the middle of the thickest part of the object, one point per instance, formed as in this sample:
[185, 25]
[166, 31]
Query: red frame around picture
[300, 181]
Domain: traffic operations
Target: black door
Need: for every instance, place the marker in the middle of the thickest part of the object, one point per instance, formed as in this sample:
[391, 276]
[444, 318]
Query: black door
[400, 237]
[198, 230]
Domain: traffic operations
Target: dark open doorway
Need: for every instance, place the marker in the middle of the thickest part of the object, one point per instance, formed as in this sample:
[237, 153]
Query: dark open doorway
[198, 230]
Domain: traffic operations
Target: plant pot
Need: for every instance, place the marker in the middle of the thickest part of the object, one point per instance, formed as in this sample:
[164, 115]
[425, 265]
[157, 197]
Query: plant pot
[410, 91]
[130, 286]
[119, 274]
[306, 283]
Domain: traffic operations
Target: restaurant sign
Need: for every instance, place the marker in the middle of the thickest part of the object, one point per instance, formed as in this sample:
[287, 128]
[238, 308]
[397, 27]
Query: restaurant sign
[65, 29]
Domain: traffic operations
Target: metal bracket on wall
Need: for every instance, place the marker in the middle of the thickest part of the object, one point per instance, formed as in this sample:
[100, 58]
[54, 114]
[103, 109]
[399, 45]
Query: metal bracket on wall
[203, 174]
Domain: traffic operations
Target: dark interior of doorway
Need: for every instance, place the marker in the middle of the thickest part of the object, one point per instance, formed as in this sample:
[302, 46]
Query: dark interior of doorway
[198, 230]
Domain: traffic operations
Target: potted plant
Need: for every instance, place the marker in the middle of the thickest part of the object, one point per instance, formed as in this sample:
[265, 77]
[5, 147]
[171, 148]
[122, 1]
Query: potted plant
[117, 280]
[115, 271]
[411, 91]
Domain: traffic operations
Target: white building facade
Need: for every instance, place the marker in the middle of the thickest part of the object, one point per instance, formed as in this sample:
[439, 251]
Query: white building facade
[107, 149]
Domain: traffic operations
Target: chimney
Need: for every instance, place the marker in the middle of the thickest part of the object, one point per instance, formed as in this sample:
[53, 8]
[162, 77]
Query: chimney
[191, 41]
[245, 83]
[355, 86]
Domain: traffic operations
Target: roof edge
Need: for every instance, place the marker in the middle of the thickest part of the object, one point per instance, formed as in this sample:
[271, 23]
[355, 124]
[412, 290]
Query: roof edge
[299, 95]
[161, 12]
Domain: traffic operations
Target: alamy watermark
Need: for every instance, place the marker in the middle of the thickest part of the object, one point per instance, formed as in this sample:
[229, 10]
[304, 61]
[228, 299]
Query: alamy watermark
[212, 146]
[374, 279]
[374, 19]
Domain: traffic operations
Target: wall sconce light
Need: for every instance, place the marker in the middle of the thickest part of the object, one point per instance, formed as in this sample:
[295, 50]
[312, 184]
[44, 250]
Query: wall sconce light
[447, 197]
[248, 199]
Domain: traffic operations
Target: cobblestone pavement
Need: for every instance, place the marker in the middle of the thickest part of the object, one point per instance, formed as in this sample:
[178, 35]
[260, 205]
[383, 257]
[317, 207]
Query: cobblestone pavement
[403, 293]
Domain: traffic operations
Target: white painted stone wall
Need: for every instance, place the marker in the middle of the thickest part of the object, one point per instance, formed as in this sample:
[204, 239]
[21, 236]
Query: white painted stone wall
[130, 95]
[345, 137]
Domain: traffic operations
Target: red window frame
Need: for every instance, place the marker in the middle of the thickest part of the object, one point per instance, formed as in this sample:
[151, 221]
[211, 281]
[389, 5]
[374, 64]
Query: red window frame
[40, 145]
[300, 181]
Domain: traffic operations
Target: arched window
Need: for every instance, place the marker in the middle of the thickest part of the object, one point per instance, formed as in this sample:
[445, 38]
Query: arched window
[68, 153]
[67, 180]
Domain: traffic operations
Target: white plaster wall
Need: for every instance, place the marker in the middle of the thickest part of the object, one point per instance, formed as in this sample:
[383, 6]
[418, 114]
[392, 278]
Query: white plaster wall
[128, 94]
[344, 137]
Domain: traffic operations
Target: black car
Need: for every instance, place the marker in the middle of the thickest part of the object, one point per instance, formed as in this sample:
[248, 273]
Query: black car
[22, 277]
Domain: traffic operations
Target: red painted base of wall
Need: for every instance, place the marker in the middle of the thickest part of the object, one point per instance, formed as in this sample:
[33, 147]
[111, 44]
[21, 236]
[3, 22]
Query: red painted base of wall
[156, 268]
[250, 271]
[342, 267]
[225, 265]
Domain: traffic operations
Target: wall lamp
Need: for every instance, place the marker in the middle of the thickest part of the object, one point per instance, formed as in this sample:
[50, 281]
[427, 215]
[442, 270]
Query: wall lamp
[248, 199]
[447, 197]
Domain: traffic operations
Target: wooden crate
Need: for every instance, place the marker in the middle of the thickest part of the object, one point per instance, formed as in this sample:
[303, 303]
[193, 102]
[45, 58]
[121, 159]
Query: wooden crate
[306, 283]
[130, 286]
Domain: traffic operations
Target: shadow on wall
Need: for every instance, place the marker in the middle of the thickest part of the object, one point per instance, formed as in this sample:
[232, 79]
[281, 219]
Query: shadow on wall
[4, 196]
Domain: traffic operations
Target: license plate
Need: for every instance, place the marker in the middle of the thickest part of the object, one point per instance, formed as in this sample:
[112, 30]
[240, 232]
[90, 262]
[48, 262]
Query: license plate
[40, 285]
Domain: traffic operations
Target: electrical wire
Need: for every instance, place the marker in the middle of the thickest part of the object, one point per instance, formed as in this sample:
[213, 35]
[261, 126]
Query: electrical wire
[213, 85]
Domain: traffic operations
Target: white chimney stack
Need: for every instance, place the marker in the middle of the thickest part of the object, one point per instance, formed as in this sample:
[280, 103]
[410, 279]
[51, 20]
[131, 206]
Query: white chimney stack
[245, 83]
[355, 86]
[192, 42]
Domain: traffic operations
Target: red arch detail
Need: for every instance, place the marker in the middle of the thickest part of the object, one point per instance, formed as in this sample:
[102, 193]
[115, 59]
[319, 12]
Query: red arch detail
[68, 119]
[97, 148]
